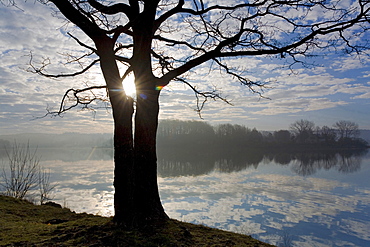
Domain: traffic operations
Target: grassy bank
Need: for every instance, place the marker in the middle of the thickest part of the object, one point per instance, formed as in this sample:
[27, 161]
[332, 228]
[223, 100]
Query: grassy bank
[25, 224]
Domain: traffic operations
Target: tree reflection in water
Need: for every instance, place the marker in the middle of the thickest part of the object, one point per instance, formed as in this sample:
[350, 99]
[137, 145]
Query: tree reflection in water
[345, 162]
[179, 162]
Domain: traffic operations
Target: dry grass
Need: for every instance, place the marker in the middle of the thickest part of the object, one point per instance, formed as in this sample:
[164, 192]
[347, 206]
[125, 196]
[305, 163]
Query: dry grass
[25, 224]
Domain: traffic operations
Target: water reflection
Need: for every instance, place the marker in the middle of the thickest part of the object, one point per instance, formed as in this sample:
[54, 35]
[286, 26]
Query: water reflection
[275, 196]
[269, 200]
[315, 211]
[314, 199]
[174, 162]
[179, 162]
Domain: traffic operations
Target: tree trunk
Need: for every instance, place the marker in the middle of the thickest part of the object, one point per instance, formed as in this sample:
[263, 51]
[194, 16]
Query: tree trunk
[136, 200]
[148, 203]
[123, 109]
[123, 162]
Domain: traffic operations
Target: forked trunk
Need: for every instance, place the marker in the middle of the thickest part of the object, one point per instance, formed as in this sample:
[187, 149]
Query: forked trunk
[136, 200]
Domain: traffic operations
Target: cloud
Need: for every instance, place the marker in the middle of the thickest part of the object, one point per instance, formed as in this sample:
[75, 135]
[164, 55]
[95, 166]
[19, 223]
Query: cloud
[362, 96]
[338, 81]
[346, 63]
[234, 201]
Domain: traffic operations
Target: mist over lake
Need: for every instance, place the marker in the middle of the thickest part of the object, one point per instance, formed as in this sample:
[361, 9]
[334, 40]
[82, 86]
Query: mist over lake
[306, 199]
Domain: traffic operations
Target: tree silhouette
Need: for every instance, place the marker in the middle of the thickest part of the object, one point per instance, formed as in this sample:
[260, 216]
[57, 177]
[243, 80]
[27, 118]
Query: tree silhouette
[327, 134]
[189, 134]
[282, 136]
[347, 129]
[303, 130]
[162, 41]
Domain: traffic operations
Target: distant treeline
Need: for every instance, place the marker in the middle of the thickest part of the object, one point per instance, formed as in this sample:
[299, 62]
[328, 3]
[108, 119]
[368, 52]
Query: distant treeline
[302, 134]
[190, 135]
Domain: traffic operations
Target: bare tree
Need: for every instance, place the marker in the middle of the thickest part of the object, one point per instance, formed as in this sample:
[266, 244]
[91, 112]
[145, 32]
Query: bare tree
[24, 175]
[347, 129]
[302, 125]
[327, 134]
[45, 187]
[163, 41]
[303, 129]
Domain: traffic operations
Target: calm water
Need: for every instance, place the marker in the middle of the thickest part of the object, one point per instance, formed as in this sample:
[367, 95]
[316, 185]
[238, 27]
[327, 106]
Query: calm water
[286, 199]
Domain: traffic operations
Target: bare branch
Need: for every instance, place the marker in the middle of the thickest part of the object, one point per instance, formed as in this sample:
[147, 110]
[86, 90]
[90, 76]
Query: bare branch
[78, 18]
[123, 59]
[188, 66]
[214, 95]
[243, 81]
[168, 14]
[82, 44]
[78, 100]
[209, 32]
[46, 62]
[172, 42]
[114, 9]
[203, 10]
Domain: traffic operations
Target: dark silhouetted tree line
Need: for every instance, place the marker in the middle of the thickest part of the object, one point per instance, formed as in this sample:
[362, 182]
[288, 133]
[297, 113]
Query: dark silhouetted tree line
[343, 134]
[302, 134]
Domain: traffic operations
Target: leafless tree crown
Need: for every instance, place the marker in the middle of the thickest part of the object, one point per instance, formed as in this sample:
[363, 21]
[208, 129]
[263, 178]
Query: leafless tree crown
[347, 129]
[186, 34]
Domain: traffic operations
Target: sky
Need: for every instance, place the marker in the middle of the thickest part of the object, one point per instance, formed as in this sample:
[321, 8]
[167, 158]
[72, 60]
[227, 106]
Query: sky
[337, 88]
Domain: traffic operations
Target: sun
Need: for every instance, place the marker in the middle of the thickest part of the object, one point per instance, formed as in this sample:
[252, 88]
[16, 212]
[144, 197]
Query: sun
[129, 86]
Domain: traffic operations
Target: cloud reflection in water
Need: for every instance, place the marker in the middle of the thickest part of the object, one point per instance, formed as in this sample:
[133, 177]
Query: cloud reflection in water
[266, 201]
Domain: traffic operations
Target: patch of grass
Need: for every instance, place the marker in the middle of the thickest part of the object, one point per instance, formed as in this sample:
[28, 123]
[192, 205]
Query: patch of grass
[25, 224]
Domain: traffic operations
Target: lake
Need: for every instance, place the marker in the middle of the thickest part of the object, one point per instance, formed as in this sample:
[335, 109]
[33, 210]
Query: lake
[287, 199]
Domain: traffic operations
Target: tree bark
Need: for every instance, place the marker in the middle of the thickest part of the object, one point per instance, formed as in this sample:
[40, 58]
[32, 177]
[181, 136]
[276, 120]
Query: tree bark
[136, 199]
[143, 205]
[123, 161]
[123, 109]
[148, 203]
